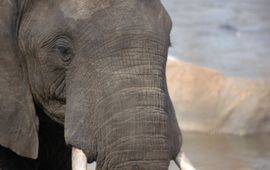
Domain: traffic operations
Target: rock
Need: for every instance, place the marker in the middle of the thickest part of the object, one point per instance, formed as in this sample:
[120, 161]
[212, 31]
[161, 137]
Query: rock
[207, 101]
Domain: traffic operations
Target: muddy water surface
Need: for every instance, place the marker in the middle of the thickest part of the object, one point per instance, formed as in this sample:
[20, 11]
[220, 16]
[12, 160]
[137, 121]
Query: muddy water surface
[232, 36]
[227, 152]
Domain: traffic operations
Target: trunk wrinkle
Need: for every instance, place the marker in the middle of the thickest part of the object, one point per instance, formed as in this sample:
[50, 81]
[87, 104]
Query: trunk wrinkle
[118, 114]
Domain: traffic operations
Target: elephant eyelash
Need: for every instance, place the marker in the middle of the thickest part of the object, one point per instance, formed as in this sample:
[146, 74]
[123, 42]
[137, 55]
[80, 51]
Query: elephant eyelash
[60, 44]
[58, 38]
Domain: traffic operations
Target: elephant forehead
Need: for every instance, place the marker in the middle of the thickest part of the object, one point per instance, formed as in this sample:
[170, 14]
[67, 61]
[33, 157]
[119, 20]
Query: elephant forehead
[82, 9]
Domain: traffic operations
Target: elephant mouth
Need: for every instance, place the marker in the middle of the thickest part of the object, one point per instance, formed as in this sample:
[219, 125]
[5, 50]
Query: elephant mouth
[79, 161]
[55, 110]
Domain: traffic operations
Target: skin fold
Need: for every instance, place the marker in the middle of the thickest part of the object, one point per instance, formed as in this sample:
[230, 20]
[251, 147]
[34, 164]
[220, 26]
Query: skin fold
[88, 74]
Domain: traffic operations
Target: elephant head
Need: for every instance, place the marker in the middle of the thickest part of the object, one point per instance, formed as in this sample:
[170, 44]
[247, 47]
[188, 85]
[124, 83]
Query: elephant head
[98, 68]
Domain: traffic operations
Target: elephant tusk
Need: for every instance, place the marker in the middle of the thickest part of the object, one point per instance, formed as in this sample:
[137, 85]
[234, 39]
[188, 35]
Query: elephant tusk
[182, 162]
[79, 160]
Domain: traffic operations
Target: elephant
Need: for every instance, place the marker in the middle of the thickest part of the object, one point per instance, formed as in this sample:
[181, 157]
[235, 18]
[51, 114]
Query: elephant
[88, 75]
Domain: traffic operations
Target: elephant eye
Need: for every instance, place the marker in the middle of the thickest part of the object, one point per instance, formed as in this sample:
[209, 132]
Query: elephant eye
[65, 52]
[63, 47]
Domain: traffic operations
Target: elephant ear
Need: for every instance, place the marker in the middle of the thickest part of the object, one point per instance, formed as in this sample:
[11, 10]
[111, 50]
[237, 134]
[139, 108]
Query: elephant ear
[18, 121]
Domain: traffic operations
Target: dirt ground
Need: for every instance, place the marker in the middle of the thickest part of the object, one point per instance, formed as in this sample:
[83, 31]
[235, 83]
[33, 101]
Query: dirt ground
[207, 101]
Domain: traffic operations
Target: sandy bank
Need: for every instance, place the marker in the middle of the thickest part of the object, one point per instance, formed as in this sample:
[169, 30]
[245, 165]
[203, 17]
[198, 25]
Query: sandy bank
[207, 101]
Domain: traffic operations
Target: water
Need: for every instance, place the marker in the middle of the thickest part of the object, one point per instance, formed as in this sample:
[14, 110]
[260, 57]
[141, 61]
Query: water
[227, 152]
[232, 36]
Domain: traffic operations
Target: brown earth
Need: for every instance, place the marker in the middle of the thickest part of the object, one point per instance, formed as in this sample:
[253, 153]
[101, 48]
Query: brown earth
[207, 101]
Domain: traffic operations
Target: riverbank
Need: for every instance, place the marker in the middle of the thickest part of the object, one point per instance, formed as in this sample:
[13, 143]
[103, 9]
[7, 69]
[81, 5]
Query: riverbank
[207, 101]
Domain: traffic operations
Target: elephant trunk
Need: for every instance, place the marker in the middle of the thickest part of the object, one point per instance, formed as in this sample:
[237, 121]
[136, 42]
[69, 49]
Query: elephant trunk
[79, 161]
[128, 131]
[118, 108]
[136, 136]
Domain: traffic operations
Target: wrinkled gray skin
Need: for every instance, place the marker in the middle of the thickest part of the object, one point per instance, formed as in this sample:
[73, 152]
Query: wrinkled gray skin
[97, 67]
